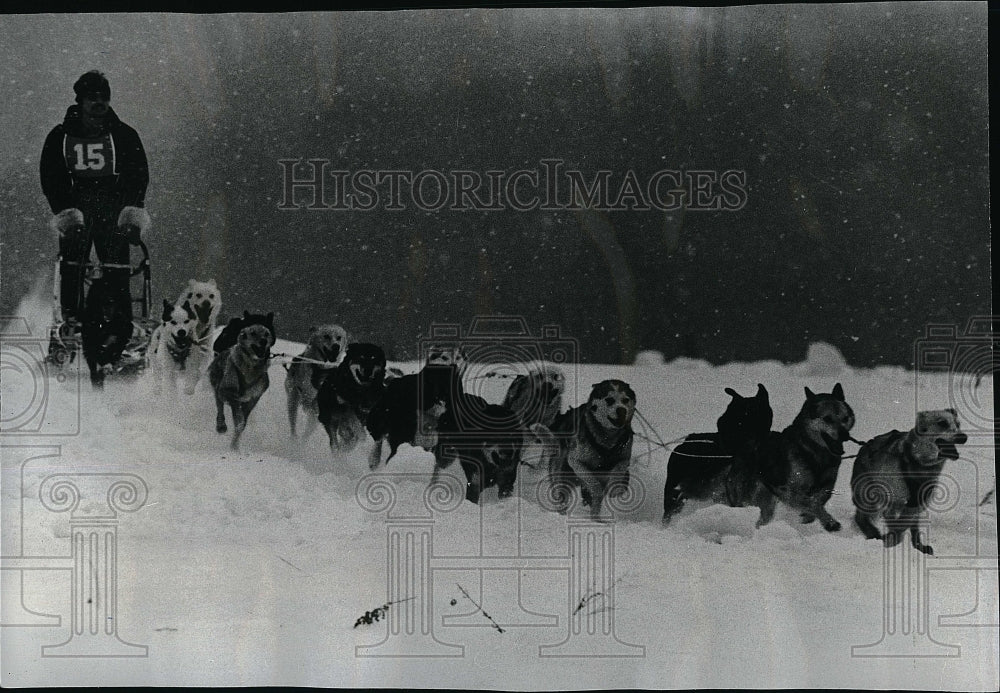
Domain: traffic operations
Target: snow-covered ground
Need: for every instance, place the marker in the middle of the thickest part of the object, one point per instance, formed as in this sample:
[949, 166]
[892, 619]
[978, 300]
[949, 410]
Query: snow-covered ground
[252, 568]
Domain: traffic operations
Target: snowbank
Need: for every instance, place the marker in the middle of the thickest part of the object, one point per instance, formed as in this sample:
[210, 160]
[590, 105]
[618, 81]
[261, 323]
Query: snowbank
[252, 568]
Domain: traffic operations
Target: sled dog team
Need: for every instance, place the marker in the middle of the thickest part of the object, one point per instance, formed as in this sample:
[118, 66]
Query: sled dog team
[346, 387]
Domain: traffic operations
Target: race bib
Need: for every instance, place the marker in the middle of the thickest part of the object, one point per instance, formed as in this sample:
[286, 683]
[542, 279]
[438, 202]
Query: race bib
[90, 157]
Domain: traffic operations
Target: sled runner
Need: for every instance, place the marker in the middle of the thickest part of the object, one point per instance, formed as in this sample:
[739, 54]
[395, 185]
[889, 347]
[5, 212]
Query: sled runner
[65, 339]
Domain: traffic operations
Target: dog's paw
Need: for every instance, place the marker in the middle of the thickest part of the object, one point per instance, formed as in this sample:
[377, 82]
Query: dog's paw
[221, 428]
[924, 548]
[832, 526]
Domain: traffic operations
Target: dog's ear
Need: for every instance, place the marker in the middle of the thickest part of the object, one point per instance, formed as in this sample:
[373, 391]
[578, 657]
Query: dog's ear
[838, 392]
[187, 309]
[809, 394]
[762, 392]
[733, 393]
[168, 308]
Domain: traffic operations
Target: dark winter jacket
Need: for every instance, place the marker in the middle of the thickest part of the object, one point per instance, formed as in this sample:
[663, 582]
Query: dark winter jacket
[108, 171]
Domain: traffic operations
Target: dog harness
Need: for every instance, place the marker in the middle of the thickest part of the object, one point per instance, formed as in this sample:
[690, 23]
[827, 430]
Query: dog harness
[179, 353]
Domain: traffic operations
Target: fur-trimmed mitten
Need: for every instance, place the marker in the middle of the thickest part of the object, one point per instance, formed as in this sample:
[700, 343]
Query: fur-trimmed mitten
[65, 220]
[139, 222]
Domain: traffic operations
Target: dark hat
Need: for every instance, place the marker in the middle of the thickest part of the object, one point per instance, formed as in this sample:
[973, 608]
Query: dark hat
[91, 82]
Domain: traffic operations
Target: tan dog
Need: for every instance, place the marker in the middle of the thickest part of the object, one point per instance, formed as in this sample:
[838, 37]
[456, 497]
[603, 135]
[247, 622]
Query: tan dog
[595, 446]
[896, 473]
[239, 377]
[535, 398]
[326, 343]
[447, 356]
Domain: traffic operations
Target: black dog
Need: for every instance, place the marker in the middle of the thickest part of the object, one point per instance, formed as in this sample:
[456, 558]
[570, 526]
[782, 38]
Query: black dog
[713, 465]
[408, 410]
[486, 439]
[107, 325]
[231, 332]
[346, 394]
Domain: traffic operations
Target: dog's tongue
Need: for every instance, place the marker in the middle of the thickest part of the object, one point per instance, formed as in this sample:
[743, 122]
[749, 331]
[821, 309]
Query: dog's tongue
[358, 373]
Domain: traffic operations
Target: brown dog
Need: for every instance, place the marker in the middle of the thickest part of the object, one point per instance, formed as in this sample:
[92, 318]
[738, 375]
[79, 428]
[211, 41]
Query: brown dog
[326, 343]
[895, 474]
[239, 377]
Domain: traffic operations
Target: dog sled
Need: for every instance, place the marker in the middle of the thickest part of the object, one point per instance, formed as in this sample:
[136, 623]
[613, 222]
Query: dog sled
[65, 334]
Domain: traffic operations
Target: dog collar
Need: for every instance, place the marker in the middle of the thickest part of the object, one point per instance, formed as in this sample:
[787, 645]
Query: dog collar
[609, 450]
[179, 353]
